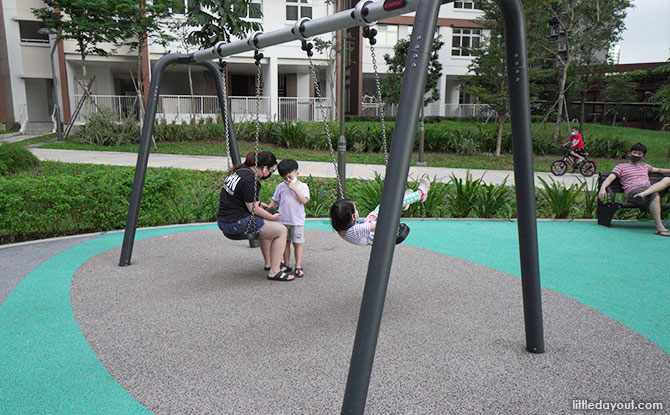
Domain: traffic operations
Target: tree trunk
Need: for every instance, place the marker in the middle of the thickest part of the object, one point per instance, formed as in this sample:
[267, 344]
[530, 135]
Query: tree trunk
[190, 85]
[84, 81]
[561, 99]
[140, 77]
[582, 116]
[500, 120]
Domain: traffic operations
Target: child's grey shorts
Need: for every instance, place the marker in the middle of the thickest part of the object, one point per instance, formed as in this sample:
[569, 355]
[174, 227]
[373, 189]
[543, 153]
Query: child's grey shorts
[296, 234]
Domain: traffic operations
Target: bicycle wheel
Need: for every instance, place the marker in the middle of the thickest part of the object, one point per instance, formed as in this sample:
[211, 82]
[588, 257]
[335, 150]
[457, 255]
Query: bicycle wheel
[588, 168]
[559, 167]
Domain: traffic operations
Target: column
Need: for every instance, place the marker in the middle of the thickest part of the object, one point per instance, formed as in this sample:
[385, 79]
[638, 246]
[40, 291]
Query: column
[271, 86]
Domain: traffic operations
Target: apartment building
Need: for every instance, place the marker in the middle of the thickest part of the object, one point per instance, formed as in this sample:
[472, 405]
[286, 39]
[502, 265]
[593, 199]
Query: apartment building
[35, 73]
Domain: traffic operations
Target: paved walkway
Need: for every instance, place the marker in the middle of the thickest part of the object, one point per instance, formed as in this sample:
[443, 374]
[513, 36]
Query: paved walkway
[16, 137]
[314, 168]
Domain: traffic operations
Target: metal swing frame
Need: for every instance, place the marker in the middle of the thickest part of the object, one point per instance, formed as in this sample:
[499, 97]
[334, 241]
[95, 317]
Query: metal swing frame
[413, 84]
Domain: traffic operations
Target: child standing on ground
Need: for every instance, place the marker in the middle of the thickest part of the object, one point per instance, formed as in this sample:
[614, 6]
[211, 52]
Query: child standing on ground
[344, 216]
[291, 195]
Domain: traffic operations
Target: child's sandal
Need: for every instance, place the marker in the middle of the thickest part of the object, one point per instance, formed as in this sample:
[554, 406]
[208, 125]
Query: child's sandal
[285, 268]
[299, 273]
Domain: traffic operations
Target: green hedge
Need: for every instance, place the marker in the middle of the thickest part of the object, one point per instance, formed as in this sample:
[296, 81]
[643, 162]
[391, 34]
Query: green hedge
[65, 199]
[362, 136]
[15, 158]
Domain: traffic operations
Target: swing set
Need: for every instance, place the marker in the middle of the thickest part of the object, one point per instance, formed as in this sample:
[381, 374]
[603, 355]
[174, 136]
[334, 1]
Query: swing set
[365, 14]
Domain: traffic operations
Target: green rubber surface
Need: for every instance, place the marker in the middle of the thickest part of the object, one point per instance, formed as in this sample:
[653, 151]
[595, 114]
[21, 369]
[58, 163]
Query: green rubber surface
[47, 366]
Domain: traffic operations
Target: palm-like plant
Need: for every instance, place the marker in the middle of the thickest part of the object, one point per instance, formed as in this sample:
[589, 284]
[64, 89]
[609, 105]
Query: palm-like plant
[371, 194]
[320, 199]
[561, 199]
[464, 198]
[590, 199]
[494, 200]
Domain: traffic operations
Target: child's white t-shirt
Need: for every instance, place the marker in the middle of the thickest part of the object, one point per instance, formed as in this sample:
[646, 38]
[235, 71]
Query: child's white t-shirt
[292, 211]
[359, 234]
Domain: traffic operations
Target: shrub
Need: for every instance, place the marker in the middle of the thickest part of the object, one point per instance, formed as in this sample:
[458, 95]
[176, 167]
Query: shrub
[494, 200]
[464, 198]
[101, 130]
[369, 194]
[561, 199]
[292, 134]
[607, 146]
[321, 197]
[435, 205]
[15, 158]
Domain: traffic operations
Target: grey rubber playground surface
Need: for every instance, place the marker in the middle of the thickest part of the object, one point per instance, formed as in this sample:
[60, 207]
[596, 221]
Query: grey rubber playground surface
[212, 335]
[194, 327]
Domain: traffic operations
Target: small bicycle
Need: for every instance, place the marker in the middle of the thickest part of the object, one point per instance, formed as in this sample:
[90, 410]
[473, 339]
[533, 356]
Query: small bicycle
[587, 167]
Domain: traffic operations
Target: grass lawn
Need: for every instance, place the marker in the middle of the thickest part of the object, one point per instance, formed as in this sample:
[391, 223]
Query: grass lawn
[658, 143]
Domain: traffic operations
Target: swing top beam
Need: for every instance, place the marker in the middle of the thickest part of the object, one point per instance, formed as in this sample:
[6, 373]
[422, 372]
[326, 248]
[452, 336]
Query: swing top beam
[366, 13]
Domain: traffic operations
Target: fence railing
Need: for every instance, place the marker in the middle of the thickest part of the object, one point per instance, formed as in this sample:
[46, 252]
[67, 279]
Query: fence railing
[433, 109]
[373, 109]
[178, 108]
[305, 109]
[468, 110]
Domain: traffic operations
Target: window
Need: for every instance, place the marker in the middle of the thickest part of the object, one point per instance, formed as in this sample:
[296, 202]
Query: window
[387, 35]
[29, 31]
[466, 4]
[297, 9]
[254, 11]
[464, 40]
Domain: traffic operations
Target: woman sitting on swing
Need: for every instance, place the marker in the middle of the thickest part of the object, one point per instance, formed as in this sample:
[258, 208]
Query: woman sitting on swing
[240, 212]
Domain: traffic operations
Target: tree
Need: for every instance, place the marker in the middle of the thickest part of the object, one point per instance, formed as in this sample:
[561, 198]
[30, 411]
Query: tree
[390, 86]
[662, 95]
[619, 89]
[143, 23]
[488, 80]
[582, 27]
[182, 31]
[220, 21]
[590, 72]
[87, 22]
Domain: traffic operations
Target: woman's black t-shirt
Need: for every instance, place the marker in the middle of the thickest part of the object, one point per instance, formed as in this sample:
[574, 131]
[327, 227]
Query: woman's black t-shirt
[238, 189]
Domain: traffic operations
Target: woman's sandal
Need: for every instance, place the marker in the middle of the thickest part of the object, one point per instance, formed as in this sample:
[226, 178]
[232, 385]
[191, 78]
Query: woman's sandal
[299, 273]
[266, 269]
[285, 268]
[281, 276]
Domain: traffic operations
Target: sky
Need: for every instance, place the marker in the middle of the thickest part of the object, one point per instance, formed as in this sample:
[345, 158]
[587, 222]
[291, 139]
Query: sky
[647, 34]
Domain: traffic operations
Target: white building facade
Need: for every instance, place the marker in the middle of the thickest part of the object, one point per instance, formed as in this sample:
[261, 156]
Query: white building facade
[32, 82]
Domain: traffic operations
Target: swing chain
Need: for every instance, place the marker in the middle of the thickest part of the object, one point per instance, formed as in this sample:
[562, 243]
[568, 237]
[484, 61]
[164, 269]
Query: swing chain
[370, 34]
[257, 56]
[308, 48]
[222, 66]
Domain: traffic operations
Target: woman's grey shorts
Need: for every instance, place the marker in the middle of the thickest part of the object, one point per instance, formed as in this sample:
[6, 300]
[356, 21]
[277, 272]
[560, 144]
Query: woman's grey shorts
[296, 234]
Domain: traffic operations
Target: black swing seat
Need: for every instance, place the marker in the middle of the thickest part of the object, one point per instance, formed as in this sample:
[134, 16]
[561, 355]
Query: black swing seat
[403, 231]
[242, 236]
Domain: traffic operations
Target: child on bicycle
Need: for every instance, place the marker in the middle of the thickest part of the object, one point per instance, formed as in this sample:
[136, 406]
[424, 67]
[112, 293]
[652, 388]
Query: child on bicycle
[576, 142]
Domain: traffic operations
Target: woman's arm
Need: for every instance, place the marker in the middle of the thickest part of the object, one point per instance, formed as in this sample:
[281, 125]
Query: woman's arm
[260, 212]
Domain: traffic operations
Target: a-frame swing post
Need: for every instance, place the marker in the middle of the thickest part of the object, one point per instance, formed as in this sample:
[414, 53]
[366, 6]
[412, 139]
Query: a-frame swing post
[225, 112]
[524, 174]
[145, 142]
[395, 183]
[379, 267]
[143, 153]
